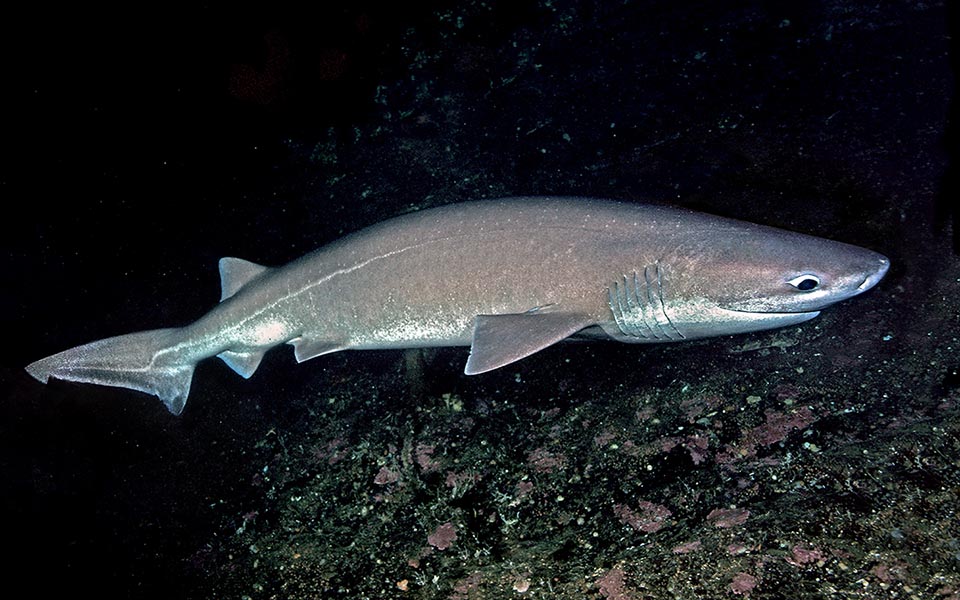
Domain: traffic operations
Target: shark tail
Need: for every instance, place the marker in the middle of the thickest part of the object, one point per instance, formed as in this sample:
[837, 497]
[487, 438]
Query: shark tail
[137, 361]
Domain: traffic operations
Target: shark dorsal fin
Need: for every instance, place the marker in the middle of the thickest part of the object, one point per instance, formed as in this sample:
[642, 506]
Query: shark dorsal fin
[236, 273]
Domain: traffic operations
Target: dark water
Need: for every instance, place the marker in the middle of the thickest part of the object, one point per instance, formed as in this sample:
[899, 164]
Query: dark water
[136, 155]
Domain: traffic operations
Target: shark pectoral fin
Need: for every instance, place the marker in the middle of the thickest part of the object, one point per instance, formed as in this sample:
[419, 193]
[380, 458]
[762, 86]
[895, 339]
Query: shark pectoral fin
[244, 363]
[236, 273]
[499, 340]
[305, 349]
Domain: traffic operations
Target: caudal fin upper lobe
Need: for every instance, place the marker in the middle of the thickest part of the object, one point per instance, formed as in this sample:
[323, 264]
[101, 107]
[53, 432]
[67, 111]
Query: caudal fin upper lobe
[137, 361]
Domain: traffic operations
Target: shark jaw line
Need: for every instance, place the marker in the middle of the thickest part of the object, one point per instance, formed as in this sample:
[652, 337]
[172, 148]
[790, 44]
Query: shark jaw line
[810, 314]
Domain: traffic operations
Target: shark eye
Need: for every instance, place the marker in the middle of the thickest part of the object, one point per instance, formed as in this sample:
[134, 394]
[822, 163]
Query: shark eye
[805, 282]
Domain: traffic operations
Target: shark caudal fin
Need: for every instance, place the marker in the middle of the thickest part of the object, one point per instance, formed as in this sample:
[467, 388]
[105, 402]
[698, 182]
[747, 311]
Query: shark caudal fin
[135, 361]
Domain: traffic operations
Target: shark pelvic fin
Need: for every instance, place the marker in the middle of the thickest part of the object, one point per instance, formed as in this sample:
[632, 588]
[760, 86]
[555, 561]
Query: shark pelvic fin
[236, 273]
[305, 349]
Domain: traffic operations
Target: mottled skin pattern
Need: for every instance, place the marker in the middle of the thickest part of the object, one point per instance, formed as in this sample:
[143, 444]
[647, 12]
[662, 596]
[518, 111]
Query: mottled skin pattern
[507, 277]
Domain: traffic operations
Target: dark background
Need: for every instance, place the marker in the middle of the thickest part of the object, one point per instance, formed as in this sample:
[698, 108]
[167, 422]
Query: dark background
[139, 146]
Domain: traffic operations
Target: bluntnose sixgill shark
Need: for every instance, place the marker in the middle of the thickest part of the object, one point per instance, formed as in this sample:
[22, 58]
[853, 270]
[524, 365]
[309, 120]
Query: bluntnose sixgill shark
[505, 277]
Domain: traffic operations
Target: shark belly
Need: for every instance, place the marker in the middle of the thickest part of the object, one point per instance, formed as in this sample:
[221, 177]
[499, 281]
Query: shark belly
[429, 293]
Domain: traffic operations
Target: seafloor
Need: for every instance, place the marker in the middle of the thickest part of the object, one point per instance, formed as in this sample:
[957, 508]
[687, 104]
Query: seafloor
[818, 461]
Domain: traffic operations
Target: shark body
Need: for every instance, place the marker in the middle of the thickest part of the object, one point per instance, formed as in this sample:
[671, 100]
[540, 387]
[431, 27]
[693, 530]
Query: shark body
[506, 277]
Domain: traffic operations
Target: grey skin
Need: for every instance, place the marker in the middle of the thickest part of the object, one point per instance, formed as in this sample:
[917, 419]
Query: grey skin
[505, 277]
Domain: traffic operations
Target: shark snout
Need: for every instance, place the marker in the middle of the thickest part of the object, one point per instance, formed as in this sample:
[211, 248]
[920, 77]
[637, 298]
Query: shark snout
[882, 264]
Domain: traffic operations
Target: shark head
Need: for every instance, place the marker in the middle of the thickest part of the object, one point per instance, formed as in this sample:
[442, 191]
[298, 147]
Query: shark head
[726, 277]
[800, 275]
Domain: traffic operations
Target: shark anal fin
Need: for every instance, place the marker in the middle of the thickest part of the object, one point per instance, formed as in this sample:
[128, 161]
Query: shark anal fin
[499, 340]
[244, 363]
[305, 349]
[236, 273]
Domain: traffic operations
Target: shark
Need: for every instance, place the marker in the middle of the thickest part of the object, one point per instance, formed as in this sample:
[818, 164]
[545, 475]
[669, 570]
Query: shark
[506, 277]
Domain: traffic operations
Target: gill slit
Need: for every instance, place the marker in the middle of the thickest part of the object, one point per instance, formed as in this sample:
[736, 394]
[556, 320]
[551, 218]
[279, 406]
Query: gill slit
[662, 304]
[638, 306]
